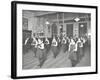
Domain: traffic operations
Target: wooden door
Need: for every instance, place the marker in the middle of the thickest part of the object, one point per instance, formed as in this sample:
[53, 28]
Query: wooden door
[54, 29]
[82, 29]
[69, 29]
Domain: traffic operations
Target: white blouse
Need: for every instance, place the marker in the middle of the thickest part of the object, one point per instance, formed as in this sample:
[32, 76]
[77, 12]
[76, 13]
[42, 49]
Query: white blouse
[81, 44]
[64, 40]
[41, 44]
[47, 41]
[71, 43]
[26, 41]
[54, 42]
[35, 43]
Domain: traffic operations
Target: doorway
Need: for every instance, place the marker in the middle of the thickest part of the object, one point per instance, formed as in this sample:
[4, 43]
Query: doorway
[69, 29]
[82, 29]
[54, 29]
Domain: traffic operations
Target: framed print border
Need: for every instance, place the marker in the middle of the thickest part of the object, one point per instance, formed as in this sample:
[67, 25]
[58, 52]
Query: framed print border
[14, 38]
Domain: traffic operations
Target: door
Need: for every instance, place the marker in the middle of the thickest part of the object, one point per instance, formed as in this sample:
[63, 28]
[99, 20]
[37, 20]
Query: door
[82, 29]
[69, 29]
[54, 29]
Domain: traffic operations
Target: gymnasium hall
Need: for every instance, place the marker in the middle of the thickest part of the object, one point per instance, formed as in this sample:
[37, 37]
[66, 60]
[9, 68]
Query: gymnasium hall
[53, 39]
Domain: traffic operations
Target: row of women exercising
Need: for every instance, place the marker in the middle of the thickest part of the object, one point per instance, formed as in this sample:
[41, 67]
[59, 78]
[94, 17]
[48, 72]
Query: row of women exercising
[42, 46]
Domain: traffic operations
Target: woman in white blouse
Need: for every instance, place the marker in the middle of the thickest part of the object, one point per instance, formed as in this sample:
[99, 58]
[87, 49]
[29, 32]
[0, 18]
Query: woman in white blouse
[47, 45]
[34, 45]
[64, 44]
[54, 46]
[72, 54]
[79, 50]
[41, 52]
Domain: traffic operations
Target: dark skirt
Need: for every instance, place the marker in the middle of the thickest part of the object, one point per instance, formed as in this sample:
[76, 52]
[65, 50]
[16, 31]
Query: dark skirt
[47, 47]
[79, 54]
[73, 58]
[42, 56]
[67, 46]
[59, 47]
[26, 48]
[83, 49]
[64, 48]
[34, 50]
[72, 55]
[55, 51]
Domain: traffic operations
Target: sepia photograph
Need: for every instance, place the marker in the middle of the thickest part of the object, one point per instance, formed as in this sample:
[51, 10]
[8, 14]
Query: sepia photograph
[53, 39]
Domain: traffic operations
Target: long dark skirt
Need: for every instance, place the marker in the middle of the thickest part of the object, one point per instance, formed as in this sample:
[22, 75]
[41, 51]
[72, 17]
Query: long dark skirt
[59, 47]
[83, 50]
[42, 56]
[64, 48]
[72, 55]
[85, 47]
[55, 51]
[34, 50]
[73, 58]
[79, 54]
[47, 47]
[26, 48]
[67, 46]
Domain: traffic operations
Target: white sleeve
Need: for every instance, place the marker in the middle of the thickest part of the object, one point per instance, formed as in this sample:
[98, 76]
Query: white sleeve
[26, 41]
[75, 47]
[69, 47]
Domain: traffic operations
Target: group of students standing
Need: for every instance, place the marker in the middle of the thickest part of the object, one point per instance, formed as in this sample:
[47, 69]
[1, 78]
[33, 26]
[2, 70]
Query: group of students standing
[74, 47]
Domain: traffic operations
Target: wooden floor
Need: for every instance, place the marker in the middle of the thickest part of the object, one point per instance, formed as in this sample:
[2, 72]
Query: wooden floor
[61, 61]
[86, 60]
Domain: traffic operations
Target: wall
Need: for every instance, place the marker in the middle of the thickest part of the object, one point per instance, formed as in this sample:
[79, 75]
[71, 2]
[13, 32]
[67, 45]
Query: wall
[38, 24]
[5, 40]
[30, 16]
[67, 16]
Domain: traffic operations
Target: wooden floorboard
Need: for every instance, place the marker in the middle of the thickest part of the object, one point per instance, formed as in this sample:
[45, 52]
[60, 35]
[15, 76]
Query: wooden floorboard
[61, 61]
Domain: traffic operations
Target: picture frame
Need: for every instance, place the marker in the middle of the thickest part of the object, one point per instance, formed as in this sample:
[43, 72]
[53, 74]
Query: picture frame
[18, 8]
